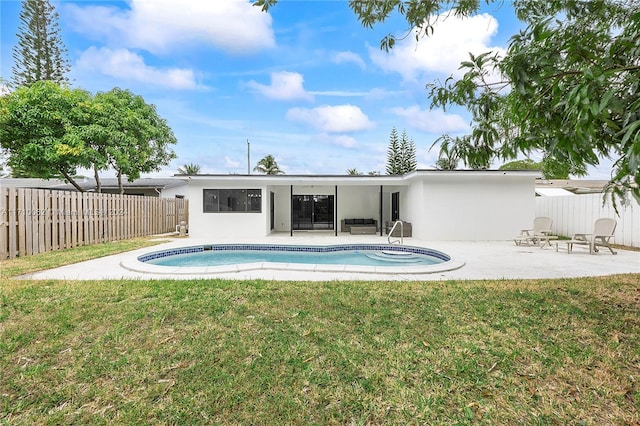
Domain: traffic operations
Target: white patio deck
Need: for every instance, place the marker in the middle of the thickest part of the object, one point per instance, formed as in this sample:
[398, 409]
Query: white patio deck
[482, 260]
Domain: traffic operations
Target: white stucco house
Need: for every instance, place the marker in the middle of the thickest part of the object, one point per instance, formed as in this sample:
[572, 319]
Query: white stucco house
[439, 205]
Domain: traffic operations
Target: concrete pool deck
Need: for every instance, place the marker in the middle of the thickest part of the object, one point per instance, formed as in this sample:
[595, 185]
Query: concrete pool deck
[480, 260]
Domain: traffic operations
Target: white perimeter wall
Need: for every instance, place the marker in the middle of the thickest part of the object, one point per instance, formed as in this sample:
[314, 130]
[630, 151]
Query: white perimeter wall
[577, 213]
[473, 206]
[227, 224]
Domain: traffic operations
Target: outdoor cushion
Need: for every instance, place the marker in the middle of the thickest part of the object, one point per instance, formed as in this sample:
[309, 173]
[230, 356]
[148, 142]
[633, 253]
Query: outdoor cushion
[349, 221]
[358, 221]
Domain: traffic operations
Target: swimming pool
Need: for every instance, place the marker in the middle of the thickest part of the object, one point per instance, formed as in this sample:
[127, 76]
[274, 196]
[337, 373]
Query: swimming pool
[363, 258]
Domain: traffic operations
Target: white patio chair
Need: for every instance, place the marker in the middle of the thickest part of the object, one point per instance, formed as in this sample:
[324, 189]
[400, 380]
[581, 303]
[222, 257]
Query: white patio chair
[540, 232]
[603, 230]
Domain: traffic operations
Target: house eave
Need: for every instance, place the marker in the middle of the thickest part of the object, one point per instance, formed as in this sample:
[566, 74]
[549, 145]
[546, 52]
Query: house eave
[360, 180]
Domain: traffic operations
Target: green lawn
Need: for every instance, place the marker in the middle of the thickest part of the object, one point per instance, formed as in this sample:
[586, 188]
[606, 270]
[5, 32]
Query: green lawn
[259, 352]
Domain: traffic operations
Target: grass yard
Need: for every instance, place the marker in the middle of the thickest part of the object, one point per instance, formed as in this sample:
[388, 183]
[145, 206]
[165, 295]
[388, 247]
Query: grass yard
[258, 352]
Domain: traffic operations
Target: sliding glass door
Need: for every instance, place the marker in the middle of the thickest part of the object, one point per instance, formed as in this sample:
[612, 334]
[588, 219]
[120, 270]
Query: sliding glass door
[312, 212]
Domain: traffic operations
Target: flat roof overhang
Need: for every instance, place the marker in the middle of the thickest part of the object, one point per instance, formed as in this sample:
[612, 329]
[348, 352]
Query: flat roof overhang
[355, 180]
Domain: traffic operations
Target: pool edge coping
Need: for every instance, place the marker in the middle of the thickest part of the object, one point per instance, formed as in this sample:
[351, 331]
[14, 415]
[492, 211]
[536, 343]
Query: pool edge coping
[132, 263]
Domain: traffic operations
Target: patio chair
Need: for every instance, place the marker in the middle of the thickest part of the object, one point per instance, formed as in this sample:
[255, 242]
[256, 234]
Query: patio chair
[603, 230]
[540, 232]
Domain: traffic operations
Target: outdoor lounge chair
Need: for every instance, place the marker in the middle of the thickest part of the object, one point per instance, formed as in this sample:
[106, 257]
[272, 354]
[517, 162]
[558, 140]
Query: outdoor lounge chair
[540, 232]
[603, 230]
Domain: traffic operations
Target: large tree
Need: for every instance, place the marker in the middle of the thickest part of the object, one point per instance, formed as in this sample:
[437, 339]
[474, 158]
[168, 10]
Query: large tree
[49, 131]
[40, 53]
[409, 163]
[569, 89]
[401, 154]
[394, 155]
[40, 131]
[127, 134]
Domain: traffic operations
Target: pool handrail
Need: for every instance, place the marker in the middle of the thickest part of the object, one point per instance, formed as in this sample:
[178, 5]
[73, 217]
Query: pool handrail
[401, 240]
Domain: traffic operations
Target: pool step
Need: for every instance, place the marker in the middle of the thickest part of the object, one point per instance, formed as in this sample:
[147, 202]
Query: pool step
[394, 256]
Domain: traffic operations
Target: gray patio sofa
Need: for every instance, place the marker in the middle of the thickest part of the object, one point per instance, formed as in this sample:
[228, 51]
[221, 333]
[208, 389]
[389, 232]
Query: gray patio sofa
[359, 226]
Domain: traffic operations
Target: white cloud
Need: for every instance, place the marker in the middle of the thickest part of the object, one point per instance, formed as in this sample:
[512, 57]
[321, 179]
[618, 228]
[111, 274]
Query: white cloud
[452, 40]
[432, 121]
[164, 25]
[332, 119]
[4, 90]
[349, 57]
[126, 65]
[285, 86]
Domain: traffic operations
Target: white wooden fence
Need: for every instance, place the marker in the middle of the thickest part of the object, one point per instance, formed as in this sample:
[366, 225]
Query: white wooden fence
[576, 214]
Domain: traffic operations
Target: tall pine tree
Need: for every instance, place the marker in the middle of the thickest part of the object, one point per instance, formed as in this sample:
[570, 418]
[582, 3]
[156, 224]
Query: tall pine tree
[393, 154]
[401, 154]
[40, 53]
[408, 153]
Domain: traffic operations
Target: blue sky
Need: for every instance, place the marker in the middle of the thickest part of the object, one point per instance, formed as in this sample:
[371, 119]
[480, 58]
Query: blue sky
[305, 82]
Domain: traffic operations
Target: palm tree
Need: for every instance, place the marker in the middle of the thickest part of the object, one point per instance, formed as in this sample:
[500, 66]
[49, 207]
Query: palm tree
[189, 169]
[268, 166]
[353, 172]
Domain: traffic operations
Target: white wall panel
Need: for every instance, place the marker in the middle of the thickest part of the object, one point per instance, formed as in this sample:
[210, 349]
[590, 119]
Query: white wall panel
[577, 214]
[228, 224]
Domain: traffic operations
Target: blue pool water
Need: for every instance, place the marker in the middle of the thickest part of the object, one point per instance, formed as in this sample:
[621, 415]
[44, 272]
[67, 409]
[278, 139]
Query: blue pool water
[364, 255]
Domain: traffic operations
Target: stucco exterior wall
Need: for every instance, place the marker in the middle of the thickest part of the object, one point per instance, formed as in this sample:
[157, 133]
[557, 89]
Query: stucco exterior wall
[181, 190]
[470, 206]
[282, 209]
[226, 224]
[457, 205]
[358, 203]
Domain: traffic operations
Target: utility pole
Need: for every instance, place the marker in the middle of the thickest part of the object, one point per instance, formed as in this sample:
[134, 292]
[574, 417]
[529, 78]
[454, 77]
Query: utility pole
[248, 157]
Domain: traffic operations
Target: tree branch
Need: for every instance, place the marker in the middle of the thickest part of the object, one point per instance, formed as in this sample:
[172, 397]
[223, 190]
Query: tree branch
[71, 180]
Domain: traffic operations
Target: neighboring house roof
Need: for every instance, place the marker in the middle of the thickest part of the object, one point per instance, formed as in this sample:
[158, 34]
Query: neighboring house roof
[31, 183]
[89, 184]
[553, 192]
[575, 186]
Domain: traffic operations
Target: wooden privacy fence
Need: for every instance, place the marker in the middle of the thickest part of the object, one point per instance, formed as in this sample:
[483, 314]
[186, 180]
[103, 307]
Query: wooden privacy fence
[37, 220]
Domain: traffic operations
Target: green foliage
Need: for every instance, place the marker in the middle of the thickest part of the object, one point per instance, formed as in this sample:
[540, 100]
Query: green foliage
[570, 86]
[408, 160]
[448, 157]
[484, 102]
[49, 131]
[552, 168]
[127, 134]
[40, 52]
[189, 169]
[394, 154]
[419, 16]
[401, 154]
[526, 164]
[268, 165]
[40, 129]
[353, 172]
[574, 79]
